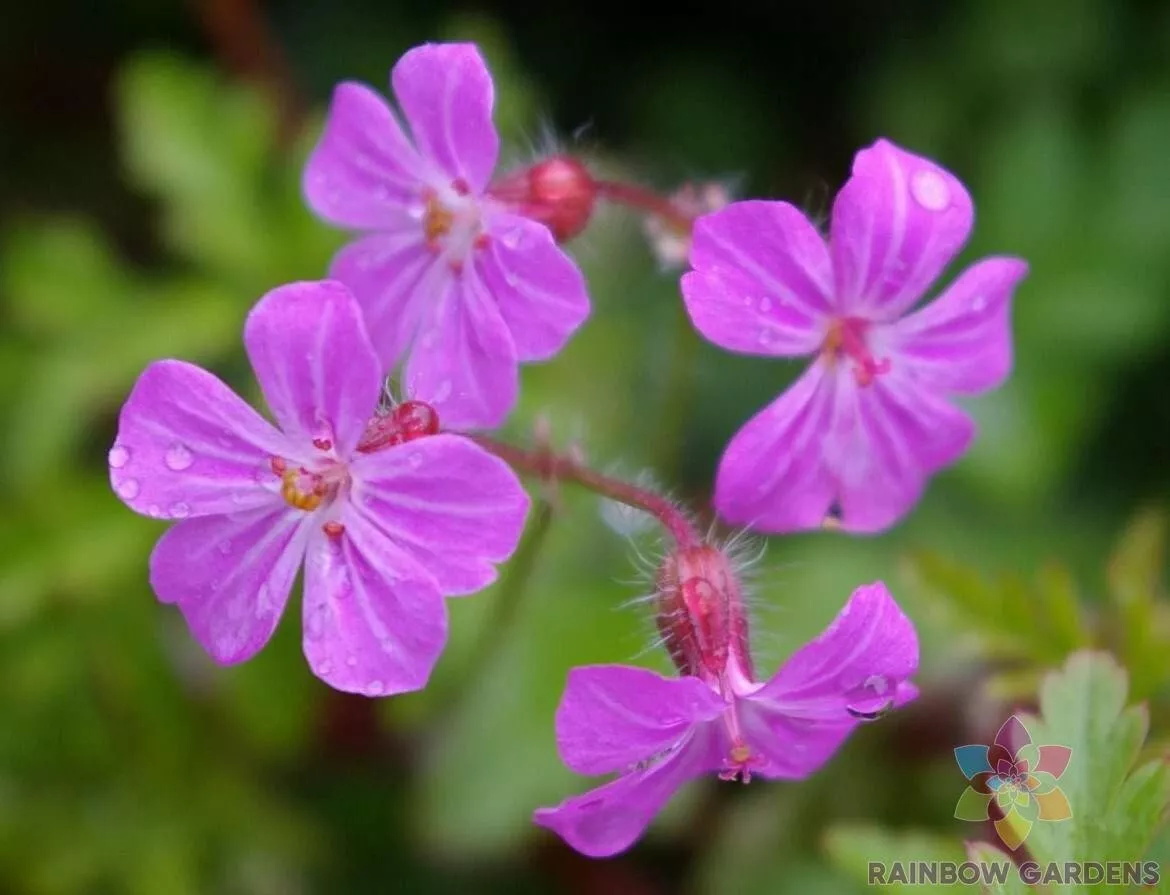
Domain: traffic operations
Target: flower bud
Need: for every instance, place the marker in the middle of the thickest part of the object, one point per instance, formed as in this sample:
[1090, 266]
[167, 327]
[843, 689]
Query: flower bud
[559, 192]
[404, 422]
[700, 612]
[671, 243]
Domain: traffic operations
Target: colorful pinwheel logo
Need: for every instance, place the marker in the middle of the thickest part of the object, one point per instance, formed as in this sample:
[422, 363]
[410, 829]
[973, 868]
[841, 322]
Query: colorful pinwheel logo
[1019, 776]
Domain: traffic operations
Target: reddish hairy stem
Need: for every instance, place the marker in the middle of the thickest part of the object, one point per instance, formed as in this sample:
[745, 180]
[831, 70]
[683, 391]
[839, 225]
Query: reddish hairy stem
[645, 200]
[549, 466]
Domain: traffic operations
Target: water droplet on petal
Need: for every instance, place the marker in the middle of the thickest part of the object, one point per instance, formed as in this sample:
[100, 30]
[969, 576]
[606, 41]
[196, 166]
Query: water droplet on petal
[351, 661]
[878, 683]
[178, 458]
[154, 511]
[315, 626]
[263, 598]
[119, 456]
[225, 547]
[930, 190]
[324, 668]
[180, 510]
[765, 338]
[443, 392]
[765, 305]
[127, 489]
[415, 460]
[375, 688]
[978, 304]
[512, 238]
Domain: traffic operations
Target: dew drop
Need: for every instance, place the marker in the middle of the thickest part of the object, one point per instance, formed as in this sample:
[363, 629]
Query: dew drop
[225, 547]
[765, 305]
[878, 683]
[127, 489]
[180, 510]
[351, 661]
[263, 600]
[748, 301]
[512, 238]
[415, 460]
[178, 458]
[978, 304]
[375, 688]
[765, 337]
[119, 456]
[324, 668]
[930, 190]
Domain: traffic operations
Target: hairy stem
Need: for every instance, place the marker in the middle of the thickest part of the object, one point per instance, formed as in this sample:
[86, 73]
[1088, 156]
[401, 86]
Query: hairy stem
[646, 200]
[550, 466]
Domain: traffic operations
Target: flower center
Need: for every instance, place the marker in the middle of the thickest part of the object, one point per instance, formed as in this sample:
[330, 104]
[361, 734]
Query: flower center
[307, 489]
[452, 222]
[846, 339]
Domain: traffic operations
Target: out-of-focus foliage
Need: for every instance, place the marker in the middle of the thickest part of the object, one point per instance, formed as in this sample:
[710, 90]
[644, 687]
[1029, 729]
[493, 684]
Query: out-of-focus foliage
[129, 763]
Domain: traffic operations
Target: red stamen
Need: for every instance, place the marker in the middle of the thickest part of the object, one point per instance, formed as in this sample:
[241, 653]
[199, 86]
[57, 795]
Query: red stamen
[323, 444]
[333, 529]
[846, 338]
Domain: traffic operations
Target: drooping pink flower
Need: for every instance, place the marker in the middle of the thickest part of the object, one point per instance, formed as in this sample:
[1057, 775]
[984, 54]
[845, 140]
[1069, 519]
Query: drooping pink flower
[870, 420]
[657, 733]
[385, 522]
[447, 275]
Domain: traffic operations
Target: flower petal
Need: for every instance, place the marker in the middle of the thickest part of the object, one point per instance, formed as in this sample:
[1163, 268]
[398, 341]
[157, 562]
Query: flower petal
[375, 622]
[231, 576]
[187, 445]
[890, 437]
[761, 279]
[539, 290]
[446, 93]
[962, 341]
[609, 819]
[455, 508]
[389, 275]
[363, 173]
[859, 662]
[320, 376]
[463, 361]
[612, 716]
[897, 223]
[773, 475]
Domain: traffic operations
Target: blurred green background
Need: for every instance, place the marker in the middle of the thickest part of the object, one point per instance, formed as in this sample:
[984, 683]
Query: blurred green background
[149, 192]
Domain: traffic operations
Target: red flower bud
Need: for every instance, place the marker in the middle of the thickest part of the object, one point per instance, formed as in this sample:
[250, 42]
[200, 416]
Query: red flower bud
[559, 192]
[700, 612]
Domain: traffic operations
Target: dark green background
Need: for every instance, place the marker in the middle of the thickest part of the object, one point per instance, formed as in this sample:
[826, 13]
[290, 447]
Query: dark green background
[149, 194]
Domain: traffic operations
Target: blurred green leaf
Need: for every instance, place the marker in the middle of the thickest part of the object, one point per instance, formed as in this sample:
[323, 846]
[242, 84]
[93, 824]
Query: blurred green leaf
[869, 855]
[999, 865]
[1116, 808]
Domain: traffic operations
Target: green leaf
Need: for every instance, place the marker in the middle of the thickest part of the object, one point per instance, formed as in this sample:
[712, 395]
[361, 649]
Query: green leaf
[1135, 574]
[1116, 809]
[869, 853]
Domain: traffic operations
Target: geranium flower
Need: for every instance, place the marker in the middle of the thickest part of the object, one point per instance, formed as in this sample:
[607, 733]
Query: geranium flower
[657, 733]
[858, 434]
[385, 523]
[447, 276]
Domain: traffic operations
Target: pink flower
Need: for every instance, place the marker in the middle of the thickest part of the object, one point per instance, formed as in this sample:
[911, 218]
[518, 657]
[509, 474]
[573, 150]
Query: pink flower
[385, 527]
[869, 421]
[445, 274]
[657, 733]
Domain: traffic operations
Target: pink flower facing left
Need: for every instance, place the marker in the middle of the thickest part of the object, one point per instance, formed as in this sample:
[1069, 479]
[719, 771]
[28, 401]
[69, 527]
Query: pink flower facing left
[657, 733]
[385, 522]
[857, 435]
[448, 275]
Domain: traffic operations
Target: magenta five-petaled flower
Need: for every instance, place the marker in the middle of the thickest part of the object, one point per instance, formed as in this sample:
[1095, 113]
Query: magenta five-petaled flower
[385, 517]
[859, 433]
[449, 276]
[657, 733]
